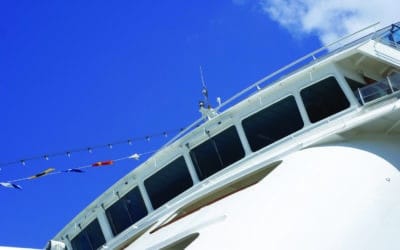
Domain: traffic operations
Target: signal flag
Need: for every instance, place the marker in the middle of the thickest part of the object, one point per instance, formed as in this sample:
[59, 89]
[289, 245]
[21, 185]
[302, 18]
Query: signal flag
[10, 185]
[73, 170]
[102, 163]
[45, 172]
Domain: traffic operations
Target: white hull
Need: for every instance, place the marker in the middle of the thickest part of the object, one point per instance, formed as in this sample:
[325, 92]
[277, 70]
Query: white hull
[330, 197]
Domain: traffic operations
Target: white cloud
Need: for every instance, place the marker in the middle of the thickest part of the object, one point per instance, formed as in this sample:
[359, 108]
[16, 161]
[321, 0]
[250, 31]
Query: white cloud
[330, 19]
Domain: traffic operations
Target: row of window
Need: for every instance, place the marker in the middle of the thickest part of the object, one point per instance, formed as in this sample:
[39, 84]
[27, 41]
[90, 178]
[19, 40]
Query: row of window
[263, 128]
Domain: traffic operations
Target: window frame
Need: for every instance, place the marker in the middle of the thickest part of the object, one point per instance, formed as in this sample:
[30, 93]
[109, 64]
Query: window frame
[341, 87]
[263, 108]
[196, 165]
[123, 198]
[163, 168]
[84, 233]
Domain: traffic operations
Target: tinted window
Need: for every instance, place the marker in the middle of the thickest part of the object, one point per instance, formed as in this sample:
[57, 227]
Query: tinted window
[272, 123]
[217, 153]
[169, 182]
[126, 211]
[355, 85]
[323, 99]
[90, 238]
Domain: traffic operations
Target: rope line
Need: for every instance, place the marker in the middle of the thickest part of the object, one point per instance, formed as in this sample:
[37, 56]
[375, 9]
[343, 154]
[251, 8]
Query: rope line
[52, 172]
[89, 149]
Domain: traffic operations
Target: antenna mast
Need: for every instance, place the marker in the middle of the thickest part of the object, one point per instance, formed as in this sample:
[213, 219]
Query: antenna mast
[204, 91]
[205, 108]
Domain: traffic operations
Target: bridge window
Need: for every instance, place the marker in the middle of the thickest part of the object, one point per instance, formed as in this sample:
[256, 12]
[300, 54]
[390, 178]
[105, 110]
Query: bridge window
[217, 153]
[272, 123]
[90, 238]
[324, 99]
[126, 211]
[169, 182]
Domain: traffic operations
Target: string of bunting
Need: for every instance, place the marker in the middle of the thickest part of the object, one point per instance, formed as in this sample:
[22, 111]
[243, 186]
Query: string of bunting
[52, 171]
[89, 149]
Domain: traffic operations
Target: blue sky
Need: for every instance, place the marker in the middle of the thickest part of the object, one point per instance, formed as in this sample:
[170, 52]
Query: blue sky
[87, 73]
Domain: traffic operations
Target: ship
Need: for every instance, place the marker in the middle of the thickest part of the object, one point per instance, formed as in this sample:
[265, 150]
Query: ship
[305, 158]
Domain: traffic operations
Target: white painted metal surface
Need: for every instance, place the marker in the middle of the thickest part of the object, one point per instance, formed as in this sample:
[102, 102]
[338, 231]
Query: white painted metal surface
[331, 197]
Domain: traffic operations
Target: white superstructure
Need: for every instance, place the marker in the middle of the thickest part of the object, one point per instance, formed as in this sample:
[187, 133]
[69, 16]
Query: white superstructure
[306, 158]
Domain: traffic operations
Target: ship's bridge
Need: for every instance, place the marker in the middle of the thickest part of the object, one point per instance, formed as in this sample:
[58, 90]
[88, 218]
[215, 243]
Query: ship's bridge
[282, 113]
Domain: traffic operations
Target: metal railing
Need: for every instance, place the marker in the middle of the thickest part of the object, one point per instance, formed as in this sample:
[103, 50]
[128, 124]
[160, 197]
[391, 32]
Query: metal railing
[391, 36]
[379, 90]
[345, 42]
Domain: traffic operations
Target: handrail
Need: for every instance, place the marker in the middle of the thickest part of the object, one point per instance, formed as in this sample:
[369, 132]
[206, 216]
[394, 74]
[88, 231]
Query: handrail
[301, 59]
[377, 34]
[379, 90]
[389, 37]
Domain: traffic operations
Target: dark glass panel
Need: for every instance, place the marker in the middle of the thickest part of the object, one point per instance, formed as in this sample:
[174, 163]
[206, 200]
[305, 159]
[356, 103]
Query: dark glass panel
[169, 182]
[355, 85]
[272, 123]
[126, 211]
[81, 242]
[95, 234]
[324, 99]
[217, 153]
[90, 238]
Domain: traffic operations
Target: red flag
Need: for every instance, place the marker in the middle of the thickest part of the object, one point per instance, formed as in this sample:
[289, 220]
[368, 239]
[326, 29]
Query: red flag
[102, 163]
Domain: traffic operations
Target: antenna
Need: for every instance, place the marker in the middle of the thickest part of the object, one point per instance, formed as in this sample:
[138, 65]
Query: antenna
[204, 91]
[205, 108]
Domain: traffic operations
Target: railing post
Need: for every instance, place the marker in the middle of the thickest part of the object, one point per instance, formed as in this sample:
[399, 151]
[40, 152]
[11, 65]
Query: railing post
[104, 223]
[361, 97]
[390, 83]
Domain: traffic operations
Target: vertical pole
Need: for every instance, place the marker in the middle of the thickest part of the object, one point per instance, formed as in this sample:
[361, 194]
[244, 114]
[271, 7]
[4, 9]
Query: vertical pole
[104, 224]
[361, 98]
[145, 197]
[390, 84]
